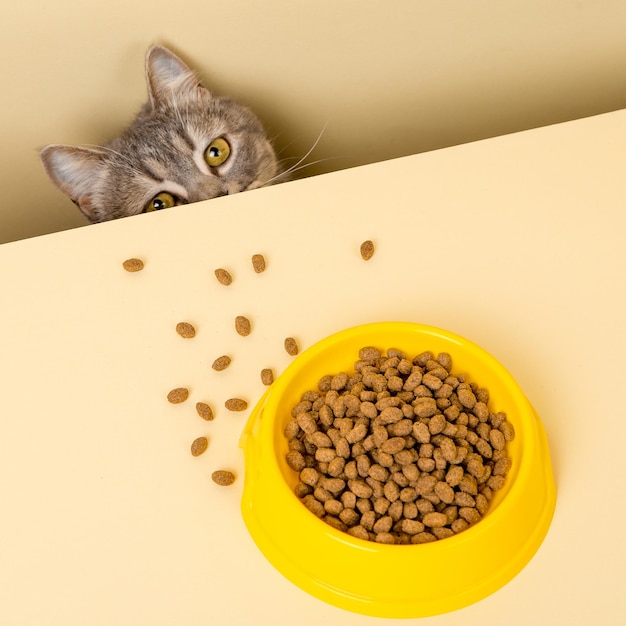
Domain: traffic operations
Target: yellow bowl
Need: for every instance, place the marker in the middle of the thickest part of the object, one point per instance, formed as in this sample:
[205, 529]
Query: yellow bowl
[401, 581]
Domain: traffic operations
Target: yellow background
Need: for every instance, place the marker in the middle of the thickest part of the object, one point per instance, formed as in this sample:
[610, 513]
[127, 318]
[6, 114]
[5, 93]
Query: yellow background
[387, 78]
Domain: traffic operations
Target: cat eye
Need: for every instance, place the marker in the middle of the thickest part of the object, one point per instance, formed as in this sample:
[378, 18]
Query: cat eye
[217, 152]
[163, 200]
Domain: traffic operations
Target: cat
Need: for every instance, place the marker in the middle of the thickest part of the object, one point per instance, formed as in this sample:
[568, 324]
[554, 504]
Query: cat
[185, 145]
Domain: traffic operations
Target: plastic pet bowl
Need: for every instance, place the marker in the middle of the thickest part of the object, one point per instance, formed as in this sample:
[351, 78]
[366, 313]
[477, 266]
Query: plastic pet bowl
[401, 581]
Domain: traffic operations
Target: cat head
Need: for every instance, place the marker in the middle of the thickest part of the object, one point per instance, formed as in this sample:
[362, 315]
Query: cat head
[185, 145]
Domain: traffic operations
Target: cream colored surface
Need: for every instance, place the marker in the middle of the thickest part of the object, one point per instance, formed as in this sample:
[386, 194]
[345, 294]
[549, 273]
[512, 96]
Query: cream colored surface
[387, 78]
[515, 243]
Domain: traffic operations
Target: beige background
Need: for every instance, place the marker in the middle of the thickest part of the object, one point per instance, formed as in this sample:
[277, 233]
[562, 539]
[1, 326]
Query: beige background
[105, 517]
[388, 78]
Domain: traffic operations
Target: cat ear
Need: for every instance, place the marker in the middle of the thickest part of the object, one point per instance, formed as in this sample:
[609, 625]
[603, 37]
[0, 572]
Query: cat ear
[77, 172]
[167, 75]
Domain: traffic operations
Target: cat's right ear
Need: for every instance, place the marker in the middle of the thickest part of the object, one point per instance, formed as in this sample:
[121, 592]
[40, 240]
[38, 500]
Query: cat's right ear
[78, 172]
[167, 76]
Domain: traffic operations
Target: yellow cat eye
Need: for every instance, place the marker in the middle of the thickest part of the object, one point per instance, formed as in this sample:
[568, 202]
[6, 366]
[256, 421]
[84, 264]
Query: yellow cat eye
[217, 152]
[163, 200]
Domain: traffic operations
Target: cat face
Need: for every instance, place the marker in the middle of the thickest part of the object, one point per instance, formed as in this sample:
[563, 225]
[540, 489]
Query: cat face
[185, 145]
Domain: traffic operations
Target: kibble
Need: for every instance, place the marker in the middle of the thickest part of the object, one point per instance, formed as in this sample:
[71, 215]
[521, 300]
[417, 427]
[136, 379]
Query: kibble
[224, 478]
[291, 346]
[199, 446]
[221, 363]
[205, 411]
[267, 376]
[258, 263]
[236, 404]
[133, 265]
[178, 395]
[242, 325]
[185, 330]
[400, 450]
[367, 250]
[223, 276]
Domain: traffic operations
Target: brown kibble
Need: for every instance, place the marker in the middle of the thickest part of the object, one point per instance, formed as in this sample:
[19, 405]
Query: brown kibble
[508, 431]
[295, 460]
[291, 346]
[205, 411]
[236, 404]
[242, 325]
[435, 519]
[367, 250]
[390, 447]
[178, 395]
[185, 330]
[221, 363]
[133, 265]
[199, 446]
[267, 376]
[223, 276]
[224, 478]
[258, 263]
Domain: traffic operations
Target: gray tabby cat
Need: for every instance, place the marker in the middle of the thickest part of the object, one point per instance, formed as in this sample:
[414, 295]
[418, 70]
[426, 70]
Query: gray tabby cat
[185, 145]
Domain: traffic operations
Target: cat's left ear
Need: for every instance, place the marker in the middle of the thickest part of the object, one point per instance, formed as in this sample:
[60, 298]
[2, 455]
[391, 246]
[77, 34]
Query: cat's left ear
[167, 76]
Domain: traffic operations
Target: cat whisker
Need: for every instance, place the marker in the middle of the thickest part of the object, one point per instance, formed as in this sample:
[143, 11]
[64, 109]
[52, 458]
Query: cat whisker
[297, 166]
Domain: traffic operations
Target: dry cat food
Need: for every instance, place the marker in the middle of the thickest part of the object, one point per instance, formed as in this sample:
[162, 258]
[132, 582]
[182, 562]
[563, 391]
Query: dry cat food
[291, 346]
[236, 404]
[242, 325]
[223, 478]
[223, 276]
[267, 376]
[178, 395]
[221, 363]
[400, 450]
[367, 250]
[205, 411]
[133, 265]
[199, 446]
[258, 263]
[185, 330]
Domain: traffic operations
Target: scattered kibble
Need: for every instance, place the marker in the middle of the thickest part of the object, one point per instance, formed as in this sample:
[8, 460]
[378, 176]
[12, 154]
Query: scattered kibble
[205, 411]
[398, 451]
[291, 346]
[221, 363]
[367, 250]
[242, 325]
[185, 330]
[223, 276]
[258, 263]
[224, 478]
[267, 376]
[199, 446]
[236, 404]
[178, 395]
[133, 265]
